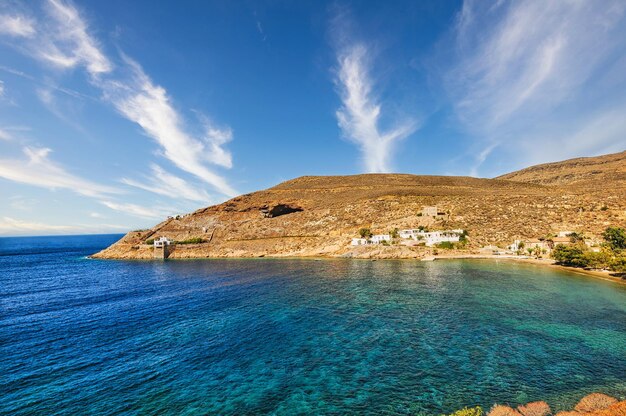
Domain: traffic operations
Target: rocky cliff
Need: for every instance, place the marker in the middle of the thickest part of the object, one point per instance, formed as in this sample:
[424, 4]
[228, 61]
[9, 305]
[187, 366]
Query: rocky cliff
[318, 215]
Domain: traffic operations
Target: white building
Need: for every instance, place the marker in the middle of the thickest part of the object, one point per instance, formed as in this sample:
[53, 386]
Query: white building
[359, 242]
[379, 238]
[565, 233]
[430, 238]
[162, 242]
[436, 237]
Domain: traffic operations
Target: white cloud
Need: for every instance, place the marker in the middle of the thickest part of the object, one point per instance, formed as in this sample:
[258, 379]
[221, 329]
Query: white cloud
[1, 89]
[13, 226]
[165, 183]
[359, 116]
[136, 210]
[519, 66]
[10, 225]
[16, 25]
[67, 42]
[39, 170]
[5, 135]
[149, 105]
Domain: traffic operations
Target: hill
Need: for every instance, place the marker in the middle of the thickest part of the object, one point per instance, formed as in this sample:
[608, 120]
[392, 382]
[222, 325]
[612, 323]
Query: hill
[318, 215]
[580, 171]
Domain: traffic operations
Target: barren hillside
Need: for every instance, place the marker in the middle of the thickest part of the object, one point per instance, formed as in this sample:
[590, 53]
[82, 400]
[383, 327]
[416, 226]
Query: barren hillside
[318, 215]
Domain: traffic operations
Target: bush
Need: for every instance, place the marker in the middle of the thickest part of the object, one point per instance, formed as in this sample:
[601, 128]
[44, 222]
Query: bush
[618, 264]
[194, 240]
[365, 233]
[446, 245]
[615, 238]
[573, 256]
[150, 241]
[468, 411]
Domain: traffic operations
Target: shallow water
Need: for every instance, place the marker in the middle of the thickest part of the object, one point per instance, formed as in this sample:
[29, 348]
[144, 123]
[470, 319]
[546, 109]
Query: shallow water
[296, 336]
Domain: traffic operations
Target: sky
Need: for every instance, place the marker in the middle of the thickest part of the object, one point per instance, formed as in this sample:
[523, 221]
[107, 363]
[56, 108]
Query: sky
[116, 114]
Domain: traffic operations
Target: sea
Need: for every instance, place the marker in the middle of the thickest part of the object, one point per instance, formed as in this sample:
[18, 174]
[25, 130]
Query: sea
[80, 336]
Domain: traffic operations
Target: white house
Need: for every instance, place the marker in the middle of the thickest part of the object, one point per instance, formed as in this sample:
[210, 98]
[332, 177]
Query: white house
[379, 238]
[436, 237]
[162, 242]
[565, 233]
[359, 242]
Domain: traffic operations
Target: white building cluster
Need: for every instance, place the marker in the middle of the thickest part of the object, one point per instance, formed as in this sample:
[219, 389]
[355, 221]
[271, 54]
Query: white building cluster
[429, 238]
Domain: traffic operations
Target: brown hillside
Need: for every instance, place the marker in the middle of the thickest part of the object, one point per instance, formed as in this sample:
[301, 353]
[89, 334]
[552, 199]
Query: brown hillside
[580, 171]
[318, 215]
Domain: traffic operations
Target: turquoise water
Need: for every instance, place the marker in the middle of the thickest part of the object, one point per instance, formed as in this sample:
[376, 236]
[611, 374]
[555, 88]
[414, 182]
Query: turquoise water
[80, 336]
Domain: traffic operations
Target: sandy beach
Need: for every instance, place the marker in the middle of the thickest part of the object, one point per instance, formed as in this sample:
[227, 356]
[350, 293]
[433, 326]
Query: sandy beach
[599, 274]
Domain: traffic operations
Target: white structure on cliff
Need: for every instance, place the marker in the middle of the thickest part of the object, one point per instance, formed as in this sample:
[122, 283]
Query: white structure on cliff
[162, 242]
[359, 241]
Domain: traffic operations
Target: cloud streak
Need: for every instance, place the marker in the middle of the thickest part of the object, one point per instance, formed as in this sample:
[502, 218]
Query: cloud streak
[141, 101]
[360, 114]
[164, 183]
[64, 41]
[17, 26]
[524, 67]
[39, 170]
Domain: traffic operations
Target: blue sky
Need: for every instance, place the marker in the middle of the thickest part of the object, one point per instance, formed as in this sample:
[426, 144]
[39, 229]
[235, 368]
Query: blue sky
[115, 114]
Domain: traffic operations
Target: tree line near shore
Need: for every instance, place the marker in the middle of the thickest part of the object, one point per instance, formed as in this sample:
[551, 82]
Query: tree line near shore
[612, 254]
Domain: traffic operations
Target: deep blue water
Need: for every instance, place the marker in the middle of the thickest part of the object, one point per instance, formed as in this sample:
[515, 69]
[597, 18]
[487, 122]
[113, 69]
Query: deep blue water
[81, 336]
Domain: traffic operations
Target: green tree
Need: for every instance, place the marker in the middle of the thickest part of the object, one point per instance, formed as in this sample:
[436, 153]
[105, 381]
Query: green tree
[573, 256]
[394, 233]
[618, 264]
[615, 238]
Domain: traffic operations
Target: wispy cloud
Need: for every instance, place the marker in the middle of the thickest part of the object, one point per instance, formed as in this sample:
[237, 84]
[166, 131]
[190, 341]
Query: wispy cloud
[39, 170]
[165, 183]
[523, 66]
[10, 225]
[136, 210]
[65, 41]
[141, 101]
[360, 114]
[17, 25]
[13, 226]
[69, 42]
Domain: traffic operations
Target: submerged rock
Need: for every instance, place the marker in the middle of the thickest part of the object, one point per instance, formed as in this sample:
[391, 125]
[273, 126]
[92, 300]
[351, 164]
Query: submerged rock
[535, 409]
[499, 410]
[593, 402]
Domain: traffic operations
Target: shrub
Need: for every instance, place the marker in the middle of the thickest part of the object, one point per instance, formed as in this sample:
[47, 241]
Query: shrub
[468, 411]
[194, 240]
[365, 233]
[150, 241]
[574, 256]
[618, 264]
[615, 238]
[446, 245]
[384, 243]
[394, 233]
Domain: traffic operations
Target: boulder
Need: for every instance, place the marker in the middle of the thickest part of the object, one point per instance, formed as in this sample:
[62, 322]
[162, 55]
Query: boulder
[499, 410]
[616, 409]
[593, 402]
[535, 409]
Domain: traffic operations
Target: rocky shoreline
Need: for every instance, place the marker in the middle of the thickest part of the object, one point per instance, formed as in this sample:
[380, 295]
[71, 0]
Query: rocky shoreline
[595, 404]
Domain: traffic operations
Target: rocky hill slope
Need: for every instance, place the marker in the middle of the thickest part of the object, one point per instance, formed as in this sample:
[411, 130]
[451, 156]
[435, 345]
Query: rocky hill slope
[318, 215]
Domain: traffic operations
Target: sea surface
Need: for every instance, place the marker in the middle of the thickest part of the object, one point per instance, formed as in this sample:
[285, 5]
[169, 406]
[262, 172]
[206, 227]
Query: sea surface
[300, 336]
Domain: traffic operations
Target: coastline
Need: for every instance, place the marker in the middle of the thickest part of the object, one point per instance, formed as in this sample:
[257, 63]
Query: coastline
[599, 274]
